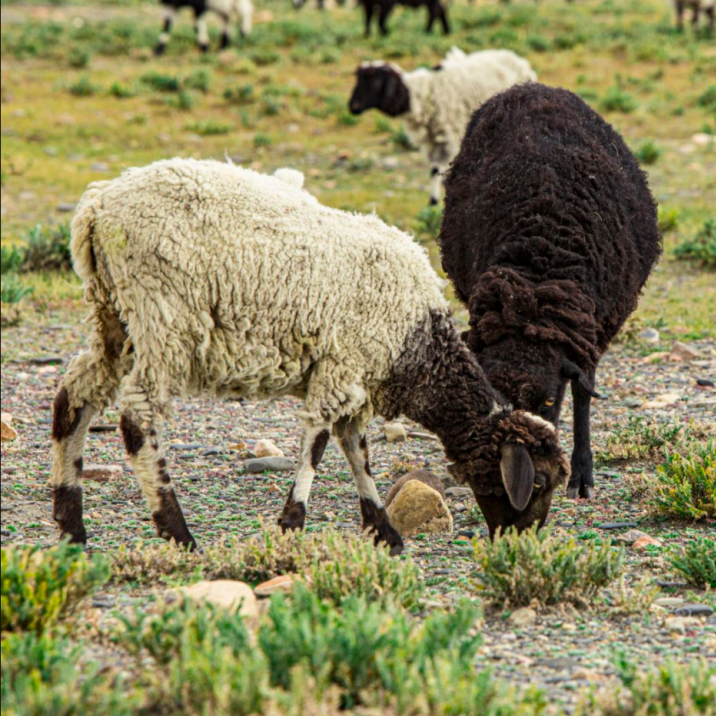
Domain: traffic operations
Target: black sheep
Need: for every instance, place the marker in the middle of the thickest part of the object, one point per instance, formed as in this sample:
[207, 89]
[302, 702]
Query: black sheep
[549, 234]
[436, 11]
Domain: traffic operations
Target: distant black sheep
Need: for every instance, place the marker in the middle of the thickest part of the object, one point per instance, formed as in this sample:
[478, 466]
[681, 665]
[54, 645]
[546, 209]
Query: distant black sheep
[436, 11]
[549, 234]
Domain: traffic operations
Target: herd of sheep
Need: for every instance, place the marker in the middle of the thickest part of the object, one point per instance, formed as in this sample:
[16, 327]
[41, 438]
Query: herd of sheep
[205, 278]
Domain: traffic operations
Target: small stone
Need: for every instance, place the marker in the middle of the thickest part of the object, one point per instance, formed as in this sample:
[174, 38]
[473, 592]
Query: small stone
[656, 357]
[466, 533]
[418, 435]
[224, 593]
[51, 151]
[106, 602]
[267, 448]
[185, 447]
[701, 139]
[395, 432]
[99, 167]
[676, 625]
[268, 464]
[459, 491]
[419, 508]
[569, 626]
[695, 610]
[424, 476]
[8, 432]
[46, 360]
[238, 446]
[102, 473]
[283, 583]
[630, 536]
[705, 382]
[646, 541]
[649, 335]
[103, 428]
[662, 401]
[66, 207]
[523, 617]
[47, 370]
[684, 351]
[616, 525]
[668, 601]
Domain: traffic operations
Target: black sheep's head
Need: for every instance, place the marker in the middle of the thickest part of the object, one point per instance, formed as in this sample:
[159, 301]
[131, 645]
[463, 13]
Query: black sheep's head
[379, 85]
[514, 478]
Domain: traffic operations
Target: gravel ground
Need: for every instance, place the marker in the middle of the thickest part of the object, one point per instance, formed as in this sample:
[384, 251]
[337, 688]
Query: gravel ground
[562, 651]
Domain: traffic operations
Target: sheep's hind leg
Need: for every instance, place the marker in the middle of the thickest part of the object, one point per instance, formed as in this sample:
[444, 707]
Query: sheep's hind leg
[141, 426]
[581, 482]
[313, 445]
[169, 17]
[353, 442]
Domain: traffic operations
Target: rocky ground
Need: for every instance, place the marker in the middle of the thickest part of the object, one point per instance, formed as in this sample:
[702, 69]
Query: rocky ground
[559, 649]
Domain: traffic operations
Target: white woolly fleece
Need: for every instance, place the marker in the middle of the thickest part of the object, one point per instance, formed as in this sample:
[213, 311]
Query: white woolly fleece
[230, 281]
[442, 102]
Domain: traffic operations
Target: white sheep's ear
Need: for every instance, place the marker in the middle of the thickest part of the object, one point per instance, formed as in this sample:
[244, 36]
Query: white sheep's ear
[518, 474]
[292, 177]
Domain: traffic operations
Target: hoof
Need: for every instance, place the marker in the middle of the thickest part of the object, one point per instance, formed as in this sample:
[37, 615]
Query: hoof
[586, 492]
[573, 493]
[79, 538]
[396, 550]
[159, 50]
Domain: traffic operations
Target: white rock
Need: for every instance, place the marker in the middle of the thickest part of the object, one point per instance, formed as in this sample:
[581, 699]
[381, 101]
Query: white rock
[395, 432]
[267, 448]
[225, 593]
[522, 617]
[701, 139]
[102, 473]
[684, 351]
[649, 335]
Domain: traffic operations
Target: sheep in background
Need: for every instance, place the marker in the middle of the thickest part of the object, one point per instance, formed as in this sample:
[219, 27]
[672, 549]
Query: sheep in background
[227, 10]
[205, 278]
[437, 104]
[549, 233]
[696, 6]
[436, 11]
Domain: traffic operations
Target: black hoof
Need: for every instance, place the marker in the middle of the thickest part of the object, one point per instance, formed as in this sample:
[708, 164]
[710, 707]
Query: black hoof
[573, 493]
[159, 50]
[79, 538]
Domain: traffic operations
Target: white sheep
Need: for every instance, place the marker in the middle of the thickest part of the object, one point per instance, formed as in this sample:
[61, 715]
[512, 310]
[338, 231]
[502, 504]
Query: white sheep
[205, 278]
[437, 104]
[227, 10]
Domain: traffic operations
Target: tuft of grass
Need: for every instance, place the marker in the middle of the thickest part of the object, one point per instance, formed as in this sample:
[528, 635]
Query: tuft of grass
[48, 248]
[641, 439]
[617, 99]
[11, 259]
[634, 599]
[240, 94]
[670, 690]
[121, 90]
[685, 483]
[517, 568]
[401, 140]
[39, 586]
[668, 219]
[262, 140]
[83, 87]
[160, 82]
[702, 248]
[337, 566]
[210, 128]
[428, 221]
[42, 676]
[647, 152]
[697, 562]
[13, 290]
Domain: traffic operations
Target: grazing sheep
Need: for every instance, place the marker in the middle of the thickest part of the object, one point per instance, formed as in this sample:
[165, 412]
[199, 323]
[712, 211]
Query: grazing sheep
[436, 11]
[696, 6]
[227, 10]
[549, 234]
[205, 278]
[437, 104]
[321, 4]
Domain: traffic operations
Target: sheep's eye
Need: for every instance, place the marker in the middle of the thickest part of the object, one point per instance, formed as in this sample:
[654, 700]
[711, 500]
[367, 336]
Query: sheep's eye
[549, 402]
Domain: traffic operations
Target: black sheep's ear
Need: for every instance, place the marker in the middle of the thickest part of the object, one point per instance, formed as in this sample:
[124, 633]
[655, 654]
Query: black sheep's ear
[518, 474]
[572, 371]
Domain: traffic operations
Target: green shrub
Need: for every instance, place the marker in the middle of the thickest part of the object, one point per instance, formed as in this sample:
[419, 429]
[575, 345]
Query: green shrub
[707, 100]
[13, 290]
[121, 90]
[647, 152]
[669, 690]
[42, 676]
[517, 568]
[641, 439]
[616, 99]
[262, 140]
[40, 586]
[12, 259]
[428, 221]
[48, 248]
[239, 95]
[668, 219]
[161, 83]
[336, 566]
[702, 247]
[78, 58]
[401, 139]
[697, 562]
[210, 127]
[685, 484]
[84, 87]
[347, 119]
[199, 80]
[265, 56]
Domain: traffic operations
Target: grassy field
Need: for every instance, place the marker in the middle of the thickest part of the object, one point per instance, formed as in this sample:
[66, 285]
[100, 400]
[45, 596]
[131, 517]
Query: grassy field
[438, 632]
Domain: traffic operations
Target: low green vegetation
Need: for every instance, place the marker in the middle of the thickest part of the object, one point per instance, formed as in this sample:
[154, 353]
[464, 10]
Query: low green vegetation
[335, 564]
[39, 587]
[516, 569]
[701, 248]
[685, 483]
[642, 439]
[647, 152]
[670, 690]
[697, 562]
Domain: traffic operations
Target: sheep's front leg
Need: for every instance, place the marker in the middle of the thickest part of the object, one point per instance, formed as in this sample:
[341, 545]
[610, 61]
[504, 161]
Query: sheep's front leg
[695, 18]
[169, 17]
[435, 185]
[202, 32]
[680, 15]
[368, 7]
[581, 483]
[385, 10]
[355, 447]
[313, 445]
[225, 39]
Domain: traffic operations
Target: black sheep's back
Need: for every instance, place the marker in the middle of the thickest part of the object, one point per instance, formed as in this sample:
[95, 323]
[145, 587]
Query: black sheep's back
[544, 186]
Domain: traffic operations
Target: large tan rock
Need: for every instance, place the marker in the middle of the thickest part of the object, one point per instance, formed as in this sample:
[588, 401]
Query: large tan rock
[8, 432]
[224, 593]
[395, 432]
[267, 448]
[102, 473]
[424, 476]
[419, 508]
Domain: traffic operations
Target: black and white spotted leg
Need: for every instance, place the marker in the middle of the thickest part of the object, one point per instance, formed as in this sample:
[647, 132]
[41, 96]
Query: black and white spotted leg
[169, 17]
[355, 447]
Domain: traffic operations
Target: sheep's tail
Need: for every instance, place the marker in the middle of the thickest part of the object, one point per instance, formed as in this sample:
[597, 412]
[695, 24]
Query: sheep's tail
[454, 55]
[83, 225]
[292, 177]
